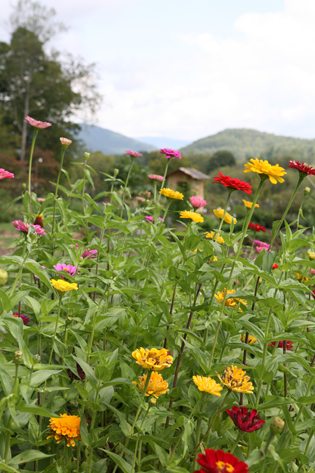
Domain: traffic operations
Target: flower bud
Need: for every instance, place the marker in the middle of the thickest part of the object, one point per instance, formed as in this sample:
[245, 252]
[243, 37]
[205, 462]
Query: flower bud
[65, 141]
[18, 357]
[87, 155]
[307, 190]
[277, 425]
[3, 277]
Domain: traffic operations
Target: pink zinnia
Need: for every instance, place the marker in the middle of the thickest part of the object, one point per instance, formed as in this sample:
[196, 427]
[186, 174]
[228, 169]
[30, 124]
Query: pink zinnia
[21, 226]
[68, 268]
[149, 218]
[39, 230]
[133, 154]
[156, 177]
[171, 153]
[197, 201]
[5, 174]
[37, 123]
[89, 254]
[25, 318]
[312, 271]
[260, 246]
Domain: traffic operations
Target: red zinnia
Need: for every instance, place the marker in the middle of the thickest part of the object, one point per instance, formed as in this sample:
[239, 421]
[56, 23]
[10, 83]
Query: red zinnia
[275, 266]
[25, 318]
[233, 183]
[218, 461]
[246, 420]
[302, 167]
[288, 344]
[256, 227]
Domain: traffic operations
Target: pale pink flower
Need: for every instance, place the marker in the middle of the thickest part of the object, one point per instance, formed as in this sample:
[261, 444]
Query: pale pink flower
[37, 123]
[171, 153]
[41, 199]
[89, 254]
[156, 177]
[312, 271]
[68, 268]
[39, 230]
[197, 201]
[21, 226]
[5, 174]
[260, 246]
[65, 141]
[149, 218]
[133, 154]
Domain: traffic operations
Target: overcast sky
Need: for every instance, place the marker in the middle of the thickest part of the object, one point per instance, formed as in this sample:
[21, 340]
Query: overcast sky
[190, 68]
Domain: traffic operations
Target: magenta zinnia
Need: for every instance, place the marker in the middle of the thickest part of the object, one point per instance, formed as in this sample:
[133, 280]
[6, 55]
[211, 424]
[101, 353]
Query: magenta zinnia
[4, 174]
[37, 123]
[171, 153]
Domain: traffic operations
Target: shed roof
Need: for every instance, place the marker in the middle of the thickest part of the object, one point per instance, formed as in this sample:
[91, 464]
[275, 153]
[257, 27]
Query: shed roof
[191, 172]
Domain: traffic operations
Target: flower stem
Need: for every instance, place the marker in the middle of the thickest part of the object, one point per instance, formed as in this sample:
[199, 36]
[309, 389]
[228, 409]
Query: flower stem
[63, 151]
[35, 133]
[55, 331]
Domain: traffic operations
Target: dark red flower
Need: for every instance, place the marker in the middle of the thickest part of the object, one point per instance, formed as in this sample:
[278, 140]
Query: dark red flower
[25, 318]
[218, 461]
[233, 183]
[275, 266]
[280, 344]
[256, 227]
[73, 376]
[39, 220]
[302, 167]
[246, 420]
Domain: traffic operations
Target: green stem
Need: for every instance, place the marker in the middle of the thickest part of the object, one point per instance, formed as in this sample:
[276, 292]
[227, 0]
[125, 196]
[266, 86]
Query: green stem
[214, 417]
[63, 151]
[30, 164]
[55, 331]
[224, 212]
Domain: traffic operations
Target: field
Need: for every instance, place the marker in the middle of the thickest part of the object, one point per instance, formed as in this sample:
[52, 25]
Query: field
[134, 340]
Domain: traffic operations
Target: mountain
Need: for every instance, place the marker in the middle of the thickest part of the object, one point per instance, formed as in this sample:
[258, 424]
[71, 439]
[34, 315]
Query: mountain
[245, 143]
[163, 142]
[96, 138]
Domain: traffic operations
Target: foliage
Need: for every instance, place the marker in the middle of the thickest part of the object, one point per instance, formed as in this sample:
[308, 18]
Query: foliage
[220, 159]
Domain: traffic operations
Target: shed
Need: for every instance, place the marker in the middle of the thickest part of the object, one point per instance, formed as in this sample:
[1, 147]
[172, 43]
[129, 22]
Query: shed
[190, 178]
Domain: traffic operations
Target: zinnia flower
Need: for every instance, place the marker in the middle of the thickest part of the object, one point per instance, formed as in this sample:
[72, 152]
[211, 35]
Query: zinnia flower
[212, 236]
[65, 427]
[37, 123]
[260, 246]
[281, 343]
[246, 420]
[81, 374]
[153, 358]
[218, 461]
[38, 230]
[171, 194]
[250, 339]
[5, 174]
[156, 177]
[311, 254]
[21, 226]
[63, 286]
[219, 213]
[300, 277]
[233, 183]
[249, 204]
[156, 387]
[304, 168]
[149, 218]
[229, 301]
[68, 268]
[236, 379]
[256, 227]
[197, 201]
[89, 254]
[275, 266]
[65, 141]
[171, 153]
[25, 318]
[194, 216]
[39, 220]
[207, 385]
[264, 168]
[133, 154]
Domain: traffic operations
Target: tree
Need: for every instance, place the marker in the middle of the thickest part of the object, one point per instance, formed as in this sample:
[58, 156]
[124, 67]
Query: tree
[37, 83]
[220, 159]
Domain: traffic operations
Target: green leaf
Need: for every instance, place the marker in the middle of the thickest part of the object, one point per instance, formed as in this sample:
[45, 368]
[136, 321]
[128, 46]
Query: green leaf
[126, 467]
[38, 377]
[7, 468]
[29, 456]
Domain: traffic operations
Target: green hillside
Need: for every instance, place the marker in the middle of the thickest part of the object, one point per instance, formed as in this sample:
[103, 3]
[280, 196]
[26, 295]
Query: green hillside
[244, 143]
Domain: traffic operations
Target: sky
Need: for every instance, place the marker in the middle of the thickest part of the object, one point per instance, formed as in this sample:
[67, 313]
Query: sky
[190, 68]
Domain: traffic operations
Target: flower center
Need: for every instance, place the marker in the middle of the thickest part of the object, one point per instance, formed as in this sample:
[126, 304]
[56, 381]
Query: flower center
[223, 467]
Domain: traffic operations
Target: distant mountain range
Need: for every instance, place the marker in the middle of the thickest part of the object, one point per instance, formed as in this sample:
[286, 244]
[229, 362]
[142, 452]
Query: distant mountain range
[164, 142]
[245, 143]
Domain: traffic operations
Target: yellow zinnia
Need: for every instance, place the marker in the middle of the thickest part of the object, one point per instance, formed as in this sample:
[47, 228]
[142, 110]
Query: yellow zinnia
[250, 339]
[249, 204]
[157, 386]
[226, 297]
[63, 286]
[65, 427]
[219, 213]
[236, 380]
[171, 194]
[260, 166]
[311, 254]
[207, 385]
[153, 358]
[217, 238]
[194, 216]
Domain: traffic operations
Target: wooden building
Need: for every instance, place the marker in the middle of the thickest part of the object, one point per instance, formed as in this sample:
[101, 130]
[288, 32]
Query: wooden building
[187, 179]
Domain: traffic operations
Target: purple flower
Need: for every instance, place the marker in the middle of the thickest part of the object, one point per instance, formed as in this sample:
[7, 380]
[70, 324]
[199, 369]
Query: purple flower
[89, 254]
[25, 318]
[171, 153]
[68, 268]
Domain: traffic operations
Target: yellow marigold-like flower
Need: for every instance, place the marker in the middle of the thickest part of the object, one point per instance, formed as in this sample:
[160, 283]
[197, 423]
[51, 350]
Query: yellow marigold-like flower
[213, 259]
[194, 216]
[219, 213]
[63, 286]
[207, 385]
[153, 358]
[250, 339]
[311, 254]
[226, 297]
[249, 204]
[65, 427]
[171, 194]
[156, 387]
[301, 278]
[217, 238]
[260, 166]
[236, 380]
